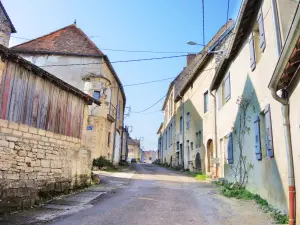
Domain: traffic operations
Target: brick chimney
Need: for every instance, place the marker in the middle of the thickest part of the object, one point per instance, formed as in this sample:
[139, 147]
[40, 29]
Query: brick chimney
[190, 58]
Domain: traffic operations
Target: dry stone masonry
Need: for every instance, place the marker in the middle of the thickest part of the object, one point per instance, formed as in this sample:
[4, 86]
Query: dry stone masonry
[35, 163]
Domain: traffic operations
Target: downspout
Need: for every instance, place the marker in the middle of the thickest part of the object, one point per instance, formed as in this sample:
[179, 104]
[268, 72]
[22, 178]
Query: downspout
[216, 133]
[289, 152]
[122, 135]
[115, 129]
[182, 111]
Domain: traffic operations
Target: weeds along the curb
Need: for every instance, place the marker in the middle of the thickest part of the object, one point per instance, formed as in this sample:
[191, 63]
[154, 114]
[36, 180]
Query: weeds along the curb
[230, 191]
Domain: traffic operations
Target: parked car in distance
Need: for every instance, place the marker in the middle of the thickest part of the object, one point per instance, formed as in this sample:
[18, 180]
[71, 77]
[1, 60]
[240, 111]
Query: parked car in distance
[133, 160]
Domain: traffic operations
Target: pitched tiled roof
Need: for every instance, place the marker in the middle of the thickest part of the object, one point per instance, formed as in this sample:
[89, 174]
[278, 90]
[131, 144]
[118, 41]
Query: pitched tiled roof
[69, 40]
[13, 30]
[190, 72]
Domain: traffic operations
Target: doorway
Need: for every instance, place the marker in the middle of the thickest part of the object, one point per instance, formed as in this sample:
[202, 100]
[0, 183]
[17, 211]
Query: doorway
[210, 155]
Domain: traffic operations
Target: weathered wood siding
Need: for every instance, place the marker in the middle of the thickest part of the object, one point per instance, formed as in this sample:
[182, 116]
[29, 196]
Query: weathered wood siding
[29, 99]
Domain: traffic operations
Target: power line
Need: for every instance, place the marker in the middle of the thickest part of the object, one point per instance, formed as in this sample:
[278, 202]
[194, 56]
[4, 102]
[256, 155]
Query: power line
[148, 82]
[123, 50]
[120, 61]
[148, 112]
[228, 6]
[203, 22]
[151, 105]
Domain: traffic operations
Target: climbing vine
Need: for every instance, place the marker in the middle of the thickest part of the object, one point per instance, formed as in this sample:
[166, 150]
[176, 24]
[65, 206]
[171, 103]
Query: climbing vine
[240, 170]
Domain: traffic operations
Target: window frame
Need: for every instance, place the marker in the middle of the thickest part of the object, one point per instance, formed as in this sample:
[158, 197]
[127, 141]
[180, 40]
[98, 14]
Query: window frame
[206, 101]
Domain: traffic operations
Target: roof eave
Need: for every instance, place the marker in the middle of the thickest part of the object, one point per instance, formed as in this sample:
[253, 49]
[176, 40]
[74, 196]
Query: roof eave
[13, 29]
[167, 96]
[290, 43]
[32, 52]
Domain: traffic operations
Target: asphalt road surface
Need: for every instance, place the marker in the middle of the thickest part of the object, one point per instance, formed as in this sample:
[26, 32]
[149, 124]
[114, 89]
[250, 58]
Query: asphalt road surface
[156, 195]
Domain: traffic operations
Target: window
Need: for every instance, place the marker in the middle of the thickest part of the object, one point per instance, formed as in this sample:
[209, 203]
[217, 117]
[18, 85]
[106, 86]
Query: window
[198, 139]
[181, 124]
[166, 140]
[224, 92]
[257, 41]
[171, 138]
[205, 101]
[96, 94]
[108, 139]
[268, 131]
[197, 136]
[230, 149]
[188, 120]
[177, 145]
[192, 146]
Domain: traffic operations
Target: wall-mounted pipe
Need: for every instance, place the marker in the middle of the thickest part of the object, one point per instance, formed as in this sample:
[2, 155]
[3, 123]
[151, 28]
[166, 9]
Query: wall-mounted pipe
[289, 153]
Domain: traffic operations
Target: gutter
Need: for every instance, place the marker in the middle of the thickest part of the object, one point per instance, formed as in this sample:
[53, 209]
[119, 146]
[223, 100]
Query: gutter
[291, 40]
[216, 127]
[115, 128]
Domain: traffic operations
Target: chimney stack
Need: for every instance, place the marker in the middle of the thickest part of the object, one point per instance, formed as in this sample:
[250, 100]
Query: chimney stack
[190, 58]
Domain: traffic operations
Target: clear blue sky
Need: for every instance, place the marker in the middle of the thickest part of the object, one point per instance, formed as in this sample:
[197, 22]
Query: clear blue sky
[155, 25]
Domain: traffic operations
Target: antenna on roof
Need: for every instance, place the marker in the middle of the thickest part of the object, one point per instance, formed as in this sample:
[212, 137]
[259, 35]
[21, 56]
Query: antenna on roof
[75, 22]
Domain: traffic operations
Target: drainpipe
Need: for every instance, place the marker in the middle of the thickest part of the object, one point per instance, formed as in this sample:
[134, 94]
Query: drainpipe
[115, 129]
[122, 133]
[289, 152]
[182, 111]
[216, 133]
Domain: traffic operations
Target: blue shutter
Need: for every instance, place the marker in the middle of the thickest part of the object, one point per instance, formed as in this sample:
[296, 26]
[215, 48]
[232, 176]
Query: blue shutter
[252, 52]
[269, 135]
[257, 138]
[260, 21]
[230, 149]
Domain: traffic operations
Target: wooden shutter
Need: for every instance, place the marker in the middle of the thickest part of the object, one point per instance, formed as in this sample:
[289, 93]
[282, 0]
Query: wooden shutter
[260, 21]
[227, 87]
[269, 135]
[252, 52]
[230, 149]
[257, 138]
[220, 97]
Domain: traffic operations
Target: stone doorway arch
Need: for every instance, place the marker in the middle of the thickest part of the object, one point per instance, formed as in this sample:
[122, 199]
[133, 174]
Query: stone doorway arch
[210, 154]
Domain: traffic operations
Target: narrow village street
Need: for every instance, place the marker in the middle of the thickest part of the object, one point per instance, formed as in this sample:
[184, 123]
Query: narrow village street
[156, 195]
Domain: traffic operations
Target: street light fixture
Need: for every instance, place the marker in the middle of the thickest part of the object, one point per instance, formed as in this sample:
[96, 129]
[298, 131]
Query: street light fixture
[194, 43]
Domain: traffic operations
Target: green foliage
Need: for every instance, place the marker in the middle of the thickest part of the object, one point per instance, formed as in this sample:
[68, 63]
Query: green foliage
[238, 192]
[123, 163]
[198, 176]
[102, 162]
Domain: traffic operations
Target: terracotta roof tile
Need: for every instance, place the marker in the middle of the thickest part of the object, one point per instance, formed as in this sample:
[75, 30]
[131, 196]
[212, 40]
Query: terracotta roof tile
[69, 40]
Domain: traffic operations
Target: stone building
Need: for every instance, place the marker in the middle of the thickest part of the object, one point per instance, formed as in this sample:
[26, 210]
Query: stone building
[72, 56]
[42, 134]
[6, 26]
[188, 131]
[134, 147]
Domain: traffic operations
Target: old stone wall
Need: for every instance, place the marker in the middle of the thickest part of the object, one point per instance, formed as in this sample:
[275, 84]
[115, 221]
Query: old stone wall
[5, 29]
[35, 163]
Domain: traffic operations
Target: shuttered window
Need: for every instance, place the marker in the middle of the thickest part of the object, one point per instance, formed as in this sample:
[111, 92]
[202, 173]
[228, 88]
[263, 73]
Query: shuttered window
[205, 101]
[230, 149]
[257, 138]
[252, 52]
[181, 124]
[220, 98]
[227, 91]
[188, 121]
[260, 21]
[268, 131]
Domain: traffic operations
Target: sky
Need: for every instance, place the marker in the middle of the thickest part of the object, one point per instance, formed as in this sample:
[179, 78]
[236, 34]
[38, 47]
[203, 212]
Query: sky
[141, 25]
